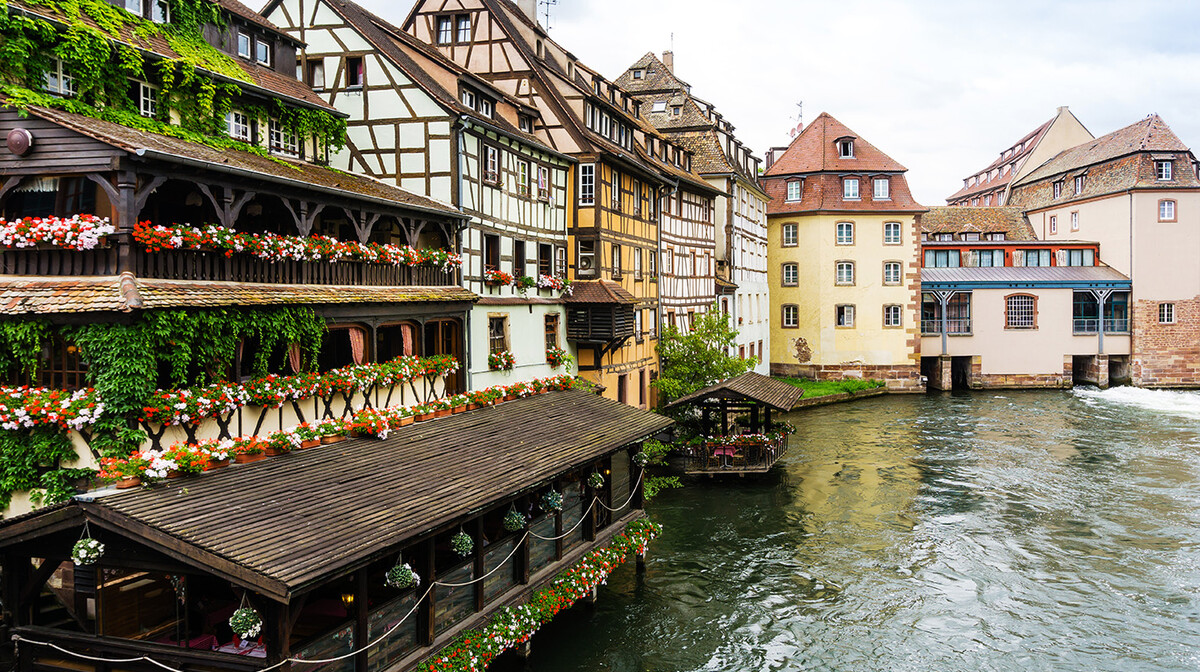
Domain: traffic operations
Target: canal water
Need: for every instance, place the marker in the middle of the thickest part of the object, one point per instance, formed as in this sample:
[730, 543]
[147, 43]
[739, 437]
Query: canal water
[982, 531]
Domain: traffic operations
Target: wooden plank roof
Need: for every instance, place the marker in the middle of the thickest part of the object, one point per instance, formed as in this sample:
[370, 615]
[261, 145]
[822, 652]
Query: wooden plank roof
[293, 521]
[750, 386]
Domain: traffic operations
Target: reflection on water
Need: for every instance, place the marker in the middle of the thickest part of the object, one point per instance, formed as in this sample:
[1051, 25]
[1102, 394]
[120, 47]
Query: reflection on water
[990, 531]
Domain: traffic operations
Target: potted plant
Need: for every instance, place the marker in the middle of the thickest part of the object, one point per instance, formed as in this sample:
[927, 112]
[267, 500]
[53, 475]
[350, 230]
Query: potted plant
[501, 361]
[218, 452]
[596, 480]
[281, 442]
[422, 412]
[495, 278]
[514, 521]
[248, 449]
[441, 408]
[332, 431]
[462, 544]
[245, 623]
[310, 437]
[126, 472]
[458, 403]
[551, 501]
[402, 576]
[188, 459]
[524, 283]
[87, 551]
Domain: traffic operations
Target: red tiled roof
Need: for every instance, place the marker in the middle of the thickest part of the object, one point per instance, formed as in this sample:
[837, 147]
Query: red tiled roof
[815, 150]
[1148, 135]
[599, 291]
[956, 219]
[988, 184]
[822, 192]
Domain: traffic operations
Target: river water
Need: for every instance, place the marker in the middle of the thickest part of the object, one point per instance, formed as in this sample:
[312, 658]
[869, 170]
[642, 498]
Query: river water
[982, 531]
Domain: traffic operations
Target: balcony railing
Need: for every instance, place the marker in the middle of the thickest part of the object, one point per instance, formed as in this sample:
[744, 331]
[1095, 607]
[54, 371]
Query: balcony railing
[1091, 325]
[192, 265]
[955, 325]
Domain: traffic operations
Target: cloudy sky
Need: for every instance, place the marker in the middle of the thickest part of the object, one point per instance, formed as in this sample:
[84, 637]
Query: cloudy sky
[941, 86]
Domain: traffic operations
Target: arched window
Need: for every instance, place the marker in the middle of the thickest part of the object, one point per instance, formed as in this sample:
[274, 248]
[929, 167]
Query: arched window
[1020, 311]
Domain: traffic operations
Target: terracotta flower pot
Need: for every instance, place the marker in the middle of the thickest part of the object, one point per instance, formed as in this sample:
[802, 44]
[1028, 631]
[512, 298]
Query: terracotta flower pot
[335, 438]
[472, 407]
[217, 464]
[424, 416]
[509, 397]
[174, 473]
[355, 434]
[271, 451]
[458, 409]
[243, 458]
[130, 482]
[441, 413]
[311, 443]
[406, 421]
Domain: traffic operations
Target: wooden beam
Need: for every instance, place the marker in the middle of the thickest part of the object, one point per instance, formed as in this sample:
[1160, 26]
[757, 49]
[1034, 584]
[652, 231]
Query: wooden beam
[361, 625]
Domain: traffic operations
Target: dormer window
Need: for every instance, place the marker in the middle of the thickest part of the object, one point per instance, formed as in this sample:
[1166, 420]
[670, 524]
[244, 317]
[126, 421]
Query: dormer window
[237, 124]
[146, 97]
[639, 74]
[485, 107]
[846, 148]
[262, 52]
[882, 188]
[58, 81]
[468, 99]
[659, 106]
[243, 45]
[676, 110]
[795, 190]
[281, 140]
[525, 123]
[1078, 184]
[1058, 189]
[1164, 170]
[850, 188]
[154, 10]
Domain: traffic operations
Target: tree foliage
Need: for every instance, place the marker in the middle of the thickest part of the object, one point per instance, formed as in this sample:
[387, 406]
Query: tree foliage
[693, 360]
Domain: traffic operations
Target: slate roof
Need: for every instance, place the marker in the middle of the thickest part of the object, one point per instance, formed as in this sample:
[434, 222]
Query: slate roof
[1028, 143]
[1057, 275]
[1147, 135]
[750, 386]
[708, 157]
[599, 291]
[1010, 221]
[275, 169]
[25, 295]
[263, 77]
[657, 77]
[297, 520]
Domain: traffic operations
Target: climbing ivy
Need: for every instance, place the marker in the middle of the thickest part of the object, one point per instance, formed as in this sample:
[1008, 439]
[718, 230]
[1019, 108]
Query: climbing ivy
[31, 459]
[21, 343]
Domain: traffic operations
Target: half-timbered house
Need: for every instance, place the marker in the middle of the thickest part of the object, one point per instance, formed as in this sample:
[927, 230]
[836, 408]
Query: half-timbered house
[423, 122]
[739, 219]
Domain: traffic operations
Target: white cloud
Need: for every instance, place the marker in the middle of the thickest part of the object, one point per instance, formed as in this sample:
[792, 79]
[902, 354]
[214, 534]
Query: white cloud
[941, 86]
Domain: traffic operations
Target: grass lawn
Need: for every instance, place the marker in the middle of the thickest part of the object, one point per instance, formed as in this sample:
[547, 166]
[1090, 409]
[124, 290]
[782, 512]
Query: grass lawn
[821, 388]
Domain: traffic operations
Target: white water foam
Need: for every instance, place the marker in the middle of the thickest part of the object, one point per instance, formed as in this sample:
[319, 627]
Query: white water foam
[1181, 403]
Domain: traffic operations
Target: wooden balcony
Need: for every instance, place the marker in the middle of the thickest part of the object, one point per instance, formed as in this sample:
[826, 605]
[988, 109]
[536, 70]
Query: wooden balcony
[736, 455]
[600, 323]
[194, 265]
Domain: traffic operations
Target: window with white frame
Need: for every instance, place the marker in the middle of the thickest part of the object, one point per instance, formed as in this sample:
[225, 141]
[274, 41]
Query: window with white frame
[243, 45]
[882, 189]
[491, 164]
[1053, 224]
[543, 183]
[1079, 184]
[891, 233]
[891, 315]
[1075, 221]
[587, 183]
[464, 29]
[560, 261]
[615, 192]
[1058, 189]
[237, 124]
[891, 273]
[789, 317]
[844, 315]
[658, 106]
[616, 260]
[262, 52]
[523, 177]
[147, 99]
[1164, 170]
[445, 30]
[789, 235]
[1166, 210]
[791, 275]
[844, 272]
[486, 107]
[1020, 312]
[281, 140]
[58, 81]
[850, 188]
[1166, 313]
[637, 263]
[794, 190]
[845, 233]
[468, 99]
[846, 148]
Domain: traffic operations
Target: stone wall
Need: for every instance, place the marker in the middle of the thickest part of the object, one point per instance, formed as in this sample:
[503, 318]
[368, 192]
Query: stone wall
[898, 378]
[977, 380]
[1166, 355]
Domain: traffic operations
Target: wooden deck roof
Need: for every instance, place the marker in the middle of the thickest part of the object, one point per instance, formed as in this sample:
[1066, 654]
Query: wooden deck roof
[749, 386]
[290, 522]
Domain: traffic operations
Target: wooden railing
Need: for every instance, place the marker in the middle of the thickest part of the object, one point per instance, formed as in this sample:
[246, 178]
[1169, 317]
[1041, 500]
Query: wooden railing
[33, 656]
[191, 265]
[732, 453]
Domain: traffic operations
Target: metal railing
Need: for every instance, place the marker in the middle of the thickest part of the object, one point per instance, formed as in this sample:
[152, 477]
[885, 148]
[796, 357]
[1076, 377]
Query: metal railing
[1091, 325]
[954, 325]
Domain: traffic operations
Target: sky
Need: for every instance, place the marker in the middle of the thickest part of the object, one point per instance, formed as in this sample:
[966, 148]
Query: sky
[940, 86]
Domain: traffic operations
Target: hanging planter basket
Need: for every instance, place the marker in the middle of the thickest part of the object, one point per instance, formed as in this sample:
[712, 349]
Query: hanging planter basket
[462, 544]
[402, 576]
[641, 459]
[552, 501]
[596, 481]
[245, 623]
[87, 551]
[514, 521]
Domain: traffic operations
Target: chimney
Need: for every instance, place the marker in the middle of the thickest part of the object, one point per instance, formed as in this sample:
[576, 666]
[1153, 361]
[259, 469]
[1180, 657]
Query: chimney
[528, 8]
[668, 60]
[773, 155]
[1062, 109]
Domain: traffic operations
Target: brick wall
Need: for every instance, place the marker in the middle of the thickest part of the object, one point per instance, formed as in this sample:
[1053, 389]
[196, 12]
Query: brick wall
[898, 378]
[1166, 355]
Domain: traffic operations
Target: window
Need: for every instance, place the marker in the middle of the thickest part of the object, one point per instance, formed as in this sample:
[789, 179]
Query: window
[658, 106]
[615, 192]
[846, 148]
[845, 272]
[850, 188]
[147, 97]
[969, 237]
[587, 184]
[316, 73]
[845, 233]
[518, 258]
[262, 52]
[1037, 257]
[637, 325]
[1166, 313]
[794, 190]
[791, 275]
[891, 315]
[444, 28]
[282, 141]
[844, 315]
[1166, 210]
[637, 197]
[1075, 221]
[789, 317]
[988, 258]
[996, 236]
[882, 189]
[1058, 189]
[560, 261]
[237, 124]
[622, 384]
[525, 123]
[1000, 197]
[58, 81]
[486, 107]
[545, 259]
[491, 252]
[243, 45]
[497, 333]
[523, 178]
[1053, 224]
[616, 261]
[354, 72]
[491, 164]
[1080, 257]
[552, 331]
[1164, 170]
[942, 259]
[637, 263]
[468, 99]
[464, 29]
[651, 258]
[891, 272]
[1020, 312]
[891, 233]
[543, 183]
[789, 235]
[1078, 184]
[585, 262]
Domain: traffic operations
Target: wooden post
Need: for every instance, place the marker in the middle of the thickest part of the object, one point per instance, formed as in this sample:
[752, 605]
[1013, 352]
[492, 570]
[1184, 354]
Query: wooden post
[479, 567]
[754, 426]
[558, 526]
[362, 626]
[425, 624]
[724, 417]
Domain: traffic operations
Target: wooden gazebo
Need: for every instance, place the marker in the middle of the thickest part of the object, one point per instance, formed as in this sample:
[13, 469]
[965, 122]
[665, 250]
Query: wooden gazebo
[727, 448]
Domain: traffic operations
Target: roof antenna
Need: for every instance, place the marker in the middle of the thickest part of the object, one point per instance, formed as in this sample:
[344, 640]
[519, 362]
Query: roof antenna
[799, 119]
[546, 5]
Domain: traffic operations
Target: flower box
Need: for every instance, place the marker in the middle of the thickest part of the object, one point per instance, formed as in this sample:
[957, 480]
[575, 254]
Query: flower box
[472, 407]
[509, 397]
[131, 482]
[332, 438]
[422, 417]
[217, 464]
[441, 413]
[405, 421]
[273, 451]
[458, 409]
[246, 458]
[311, 443]
[174, 473]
